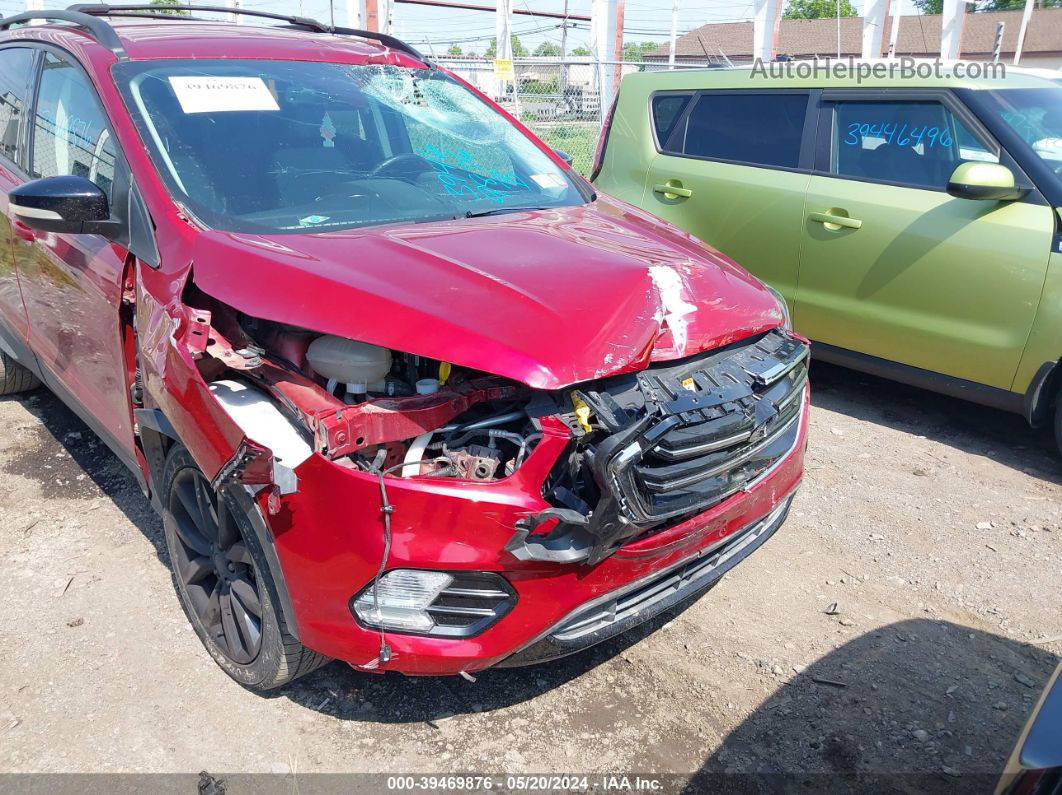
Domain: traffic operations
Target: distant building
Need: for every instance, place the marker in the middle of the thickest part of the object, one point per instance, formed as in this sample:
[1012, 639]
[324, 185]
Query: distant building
[919, 37]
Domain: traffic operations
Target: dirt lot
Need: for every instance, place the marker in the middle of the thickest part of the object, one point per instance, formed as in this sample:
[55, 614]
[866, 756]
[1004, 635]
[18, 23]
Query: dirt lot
[934, 525]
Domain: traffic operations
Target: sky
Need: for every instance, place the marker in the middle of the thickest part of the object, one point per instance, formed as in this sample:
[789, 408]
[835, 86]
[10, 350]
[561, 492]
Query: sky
[645, 20]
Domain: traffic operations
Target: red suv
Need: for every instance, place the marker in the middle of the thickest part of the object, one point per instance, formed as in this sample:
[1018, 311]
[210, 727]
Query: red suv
[405, 390]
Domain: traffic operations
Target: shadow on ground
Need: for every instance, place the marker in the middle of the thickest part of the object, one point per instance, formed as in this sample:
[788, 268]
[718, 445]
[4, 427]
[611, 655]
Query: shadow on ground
[84, 461]
[978, 430]
[893, 679]
[917, 706]
[343, 693]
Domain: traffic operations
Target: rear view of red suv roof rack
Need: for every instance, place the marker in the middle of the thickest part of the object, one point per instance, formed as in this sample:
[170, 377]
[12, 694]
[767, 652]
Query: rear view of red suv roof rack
[87, 17]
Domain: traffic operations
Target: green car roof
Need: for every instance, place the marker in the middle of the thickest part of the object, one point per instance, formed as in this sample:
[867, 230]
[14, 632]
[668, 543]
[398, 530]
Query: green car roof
[784, 75]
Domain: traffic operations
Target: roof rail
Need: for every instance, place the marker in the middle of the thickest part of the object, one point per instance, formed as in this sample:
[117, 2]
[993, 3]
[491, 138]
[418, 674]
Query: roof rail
[153, 11]
[96, 28]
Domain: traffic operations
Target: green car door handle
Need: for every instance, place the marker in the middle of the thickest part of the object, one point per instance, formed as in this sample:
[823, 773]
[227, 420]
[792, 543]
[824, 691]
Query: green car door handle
[672, 191]
[835, 221]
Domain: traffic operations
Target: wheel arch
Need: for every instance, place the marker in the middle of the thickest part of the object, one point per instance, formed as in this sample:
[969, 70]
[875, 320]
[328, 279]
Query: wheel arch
[1044, 392]
[157, 437]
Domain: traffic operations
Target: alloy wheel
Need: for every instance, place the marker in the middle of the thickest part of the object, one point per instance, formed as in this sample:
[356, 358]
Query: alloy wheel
[215, 567]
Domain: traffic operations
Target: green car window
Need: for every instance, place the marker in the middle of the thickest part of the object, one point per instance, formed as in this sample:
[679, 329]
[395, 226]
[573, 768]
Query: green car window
[761, 129]
[667, 108]
[1035, 114]
[913, 143]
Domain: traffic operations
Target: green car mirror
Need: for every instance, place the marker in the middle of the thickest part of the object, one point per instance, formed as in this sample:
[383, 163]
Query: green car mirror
[984, 181]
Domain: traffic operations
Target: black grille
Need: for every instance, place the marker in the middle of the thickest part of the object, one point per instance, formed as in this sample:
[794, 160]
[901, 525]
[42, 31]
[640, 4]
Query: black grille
[687, 436]
[676, 439]
[743, 418]
[471, 603]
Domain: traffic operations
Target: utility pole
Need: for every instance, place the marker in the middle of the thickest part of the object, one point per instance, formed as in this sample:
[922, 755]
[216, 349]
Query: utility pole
[766, 21]
[1025, 17]
[875, 12]
[838, 30]
[894, 34]
[564, 33]
[952, 23]
[674, 35]
[503, 51]
[564, 54]
[997, 48]
[605, 32]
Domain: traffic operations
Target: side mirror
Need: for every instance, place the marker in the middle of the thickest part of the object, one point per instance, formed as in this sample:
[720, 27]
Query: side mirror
[984, 181]
[67, 204]
[567, 158]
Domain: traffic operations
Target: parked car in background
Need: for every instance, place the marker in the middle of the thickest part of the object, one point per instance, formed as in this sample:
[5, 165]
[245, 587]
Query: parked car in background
[911, 224]
[405, 390]
[1035, 765]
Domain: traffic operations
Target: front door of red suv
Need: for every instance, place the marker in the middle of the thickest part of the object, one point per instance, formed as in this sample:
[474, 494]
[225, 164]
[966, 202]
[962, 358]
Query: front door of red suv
[72, 284]
[16, 67]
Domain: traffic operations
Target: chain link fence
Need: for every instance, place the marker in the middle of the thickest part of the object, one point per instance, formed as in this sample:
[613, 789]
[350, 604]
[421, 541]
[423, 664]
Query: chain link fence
[560, 100]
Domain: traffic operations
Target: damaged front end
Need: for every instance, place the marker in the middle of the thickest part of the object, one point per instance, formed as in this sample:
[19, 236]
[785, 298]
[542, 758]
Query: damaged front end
[665, 444]
[379, 470]
[638, 453]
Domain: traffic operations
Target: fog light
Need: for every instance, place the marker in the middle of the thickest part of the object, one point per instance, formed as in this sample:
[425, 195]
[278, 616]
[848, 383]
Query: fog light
[442, 604]
[400, 600]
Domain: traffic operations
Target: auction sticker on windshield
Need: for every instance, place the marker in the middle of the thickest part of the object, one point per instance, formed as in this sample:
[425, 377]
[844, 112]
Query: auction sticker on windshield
[212, 94]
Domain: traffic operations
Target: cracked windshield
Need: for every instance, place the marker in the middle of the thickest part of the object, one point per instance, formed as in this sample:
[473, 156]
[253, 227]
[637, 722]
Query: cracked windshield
[344, 146]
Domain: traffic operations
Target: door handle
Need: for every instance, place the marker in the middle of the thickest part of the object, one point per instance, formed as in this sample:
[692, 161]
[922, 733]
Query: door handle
[672, 189]
[836, 221]
[23, 231]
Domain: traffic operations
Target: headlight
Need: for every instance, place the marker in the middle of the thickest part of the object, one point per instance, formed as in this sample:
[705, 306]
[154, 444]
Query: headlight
[787, 321]
[438, 603]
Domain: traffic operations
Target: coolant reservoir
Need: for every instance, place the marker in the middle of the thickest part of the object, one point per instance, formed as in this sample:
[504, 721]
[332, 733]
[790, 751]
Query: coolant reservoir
[348, 362]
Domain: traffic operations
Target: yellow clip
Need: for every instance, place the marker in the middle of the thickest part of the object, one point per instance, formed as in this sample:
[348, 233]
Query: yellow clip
[690, 384]
[444, 372]
[582, 412]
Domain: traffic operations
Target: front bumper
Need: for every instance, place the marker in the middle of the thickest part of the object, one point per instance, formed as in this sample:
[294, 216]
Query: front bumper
[329, 540]
[615, 613]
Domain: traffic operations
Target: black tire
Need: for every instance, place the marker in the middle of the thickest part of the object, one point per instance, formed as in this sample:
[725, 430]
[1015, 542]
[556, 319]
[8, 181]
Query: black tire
[1058, 422]
[222, 579]
[15, 378]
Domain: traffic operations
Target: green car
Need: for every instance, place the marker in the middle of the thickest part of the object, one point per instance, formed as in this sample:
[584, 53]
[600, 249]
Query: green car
[913, 225]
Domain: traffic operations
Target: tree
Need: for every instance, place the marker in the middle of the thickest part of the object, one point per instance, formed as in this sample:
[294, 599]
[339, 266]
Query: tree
[636, 51]
[581, 51]
[822, 9]
[455, 49]
[170, 7]
[1013, 5]
[519, 50]
[547, 49]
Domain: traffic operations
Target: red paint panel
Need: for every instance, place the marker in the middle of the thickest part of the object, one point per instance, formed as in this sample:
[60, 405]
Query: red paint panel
[576, 295]
[330, 539]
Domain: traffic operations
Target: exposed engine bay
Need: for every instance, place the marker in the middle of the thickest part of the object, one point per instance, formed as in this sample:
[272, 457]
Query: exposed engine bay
[645, 450]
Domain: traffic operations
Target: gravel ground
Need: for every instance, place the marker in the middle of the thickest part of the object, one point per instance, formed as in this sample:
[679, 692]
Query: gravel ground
[903, 621]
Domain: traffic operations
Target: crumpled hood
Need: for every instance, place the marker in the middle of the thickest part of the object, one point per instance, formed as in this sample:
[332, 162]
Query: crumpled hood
[549, 298]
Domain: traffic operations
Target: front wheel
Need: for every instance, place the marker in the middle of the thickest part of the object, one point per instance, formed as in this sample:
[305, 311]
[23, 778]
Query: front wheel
[15, 378]
[1058, 423]
[224, 583]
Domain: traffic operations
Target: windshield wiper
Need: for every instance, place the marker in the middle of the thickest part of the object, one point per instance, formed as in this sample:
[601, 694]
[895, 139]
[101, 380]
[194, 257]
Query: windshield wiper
[502, 211]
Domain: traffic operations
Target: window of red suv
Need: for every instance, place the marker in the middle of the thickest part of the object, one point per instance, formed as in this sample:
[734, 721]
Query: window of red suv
[324, 146]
